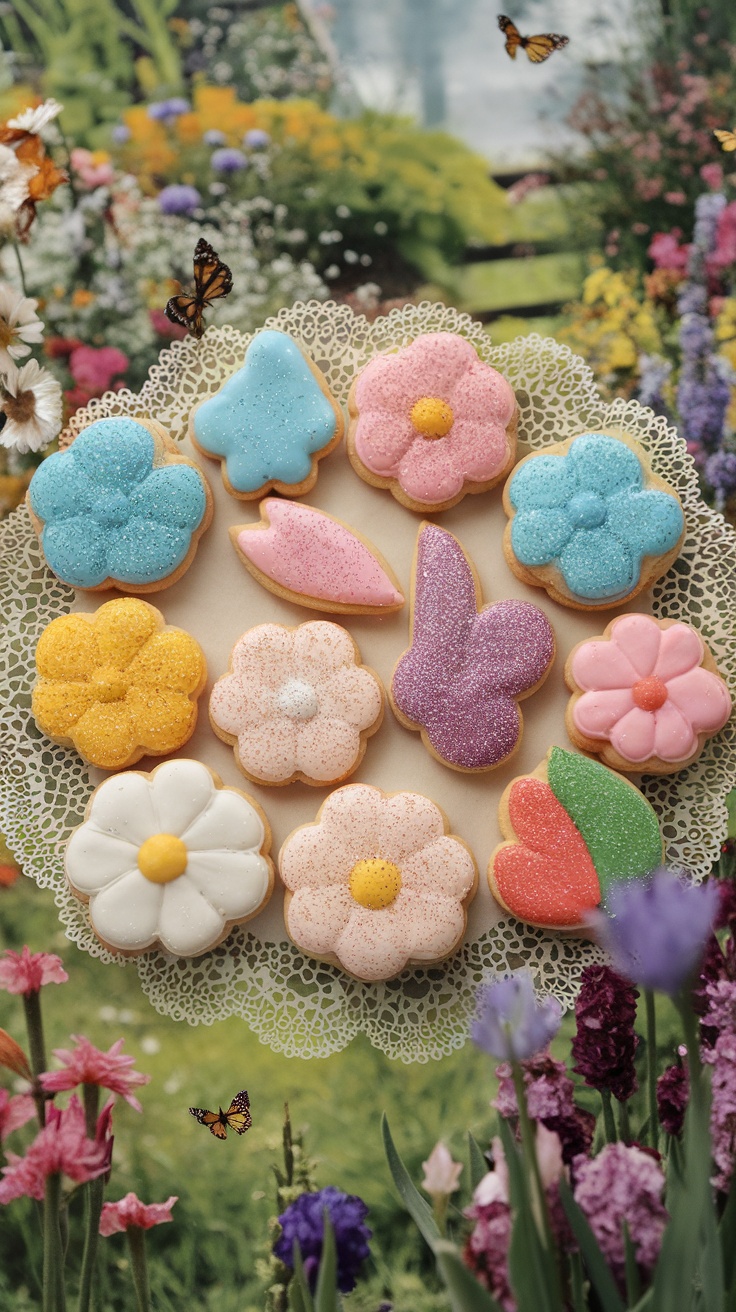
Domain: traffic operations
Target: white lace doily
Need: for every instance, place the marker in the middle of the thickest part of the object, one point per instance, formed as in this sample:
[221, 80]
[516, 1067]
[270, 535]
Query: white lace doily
[295, 1005]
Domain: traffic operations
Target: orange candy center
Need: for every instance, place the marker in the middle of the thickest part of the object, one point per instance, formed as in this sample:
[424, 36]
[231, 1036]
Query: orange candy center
[649, 694]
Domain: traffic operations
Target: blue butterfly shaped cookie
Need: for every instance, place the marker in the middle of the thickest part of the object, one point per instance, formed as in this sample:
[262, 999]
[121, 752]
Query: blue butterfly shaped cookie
[271, 422]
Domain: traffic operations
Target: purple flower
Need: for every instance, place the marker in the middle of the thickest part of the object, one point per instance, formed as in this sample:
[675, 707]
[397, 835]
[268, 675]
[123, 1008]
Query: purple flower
[165, 111]
[605, 1042]
[228, 160]
[303, 1221]
[720, 472]
[623, 1184]
[179, 198]
[655, 932]
[256, 139]
[486, 1250]
[213, 137]
[653, 374]
[120, 134]
[510, 1024]
[549, 1099]
[673, 1091]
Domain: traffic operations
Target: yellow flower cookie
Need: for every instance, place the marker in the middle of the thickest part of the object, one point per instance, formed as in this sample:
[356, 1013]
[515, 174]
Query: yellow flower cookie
[118, 684]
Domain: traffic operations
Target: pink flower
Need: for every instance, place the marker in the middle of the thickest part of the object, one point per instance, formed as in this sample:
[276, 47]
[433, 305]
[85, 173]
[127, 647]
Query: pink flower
[164, 327]
[431, 418]
[666, 251]
[712, 175]
[60, 1148]
[486, 1250]
[721, 1057]
[441, 1173]
[645, 692]
[623, 1184]
[93, 368]
[85, 1064]
[14, 1112]
[92, 167]
[725, 252]
[26, 972]
[648, 188]
[130, 1211]
[676, 197]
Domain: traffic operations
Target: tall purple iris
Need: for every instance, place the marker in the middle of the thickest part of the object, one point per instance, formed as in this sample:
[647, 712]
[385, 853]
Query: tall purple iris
[703, 391]
[303, 1223]
[510, 1023]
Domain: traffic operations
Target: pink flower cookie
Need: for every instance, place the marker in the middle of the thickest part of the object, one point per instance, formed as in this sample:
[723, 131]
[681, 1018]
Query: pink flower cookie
[432, 422]
[646, 695]
[297, 704]
[377, 883]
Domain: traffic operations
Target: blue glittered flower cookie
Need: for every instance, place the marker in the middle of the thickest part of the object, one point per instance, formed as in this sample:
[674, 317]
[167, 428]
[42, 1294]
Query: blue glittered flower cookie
[271, 422]
[120, 508]
[590, 522]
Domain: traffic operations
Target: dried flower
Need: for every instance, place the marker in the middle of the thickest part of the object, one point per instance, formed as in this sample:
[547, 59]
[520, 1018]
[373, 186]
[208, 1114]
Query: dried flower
[656, 931]
[130, 1211]
[85, 1064]
[623, 1184]
[510, 1023]
[441, 1173]
[30, 399]
[14, 1112]
[27, 972]
[12, 1056]
[605, 1042]
[303, 1222]
[673, 1090]
[60, 1148]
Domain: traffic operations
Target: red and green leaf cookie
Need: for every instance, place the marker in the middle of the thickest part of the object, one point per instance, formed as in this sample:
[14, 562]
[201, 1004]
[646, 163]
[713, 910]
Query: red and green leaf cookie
[573, 829]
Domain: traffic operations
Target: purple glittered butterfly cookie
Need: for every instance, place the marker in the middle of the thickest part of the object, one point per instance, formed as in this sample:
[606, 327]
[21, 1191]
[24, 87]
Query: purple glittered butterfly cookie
[460, 682]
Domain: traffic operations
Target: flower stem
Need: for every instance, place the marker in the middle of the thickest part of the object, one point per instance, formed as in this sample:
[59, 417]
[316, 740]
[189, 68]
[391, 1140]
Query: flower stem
[53, 1288]
[93, 1195]
[538, 1195]
[609, 1125]
[21, 270]
[137, 1246]
[624, 1128]
[652, 1067]
[36, 1047]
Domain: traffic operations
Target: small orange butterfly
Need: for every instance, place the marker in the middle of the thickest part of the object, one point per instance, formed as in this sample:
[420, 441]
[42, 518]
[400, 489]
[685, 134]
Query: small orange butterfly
[538, 48]
[212, 280]
[726, 138]
[237, 1117]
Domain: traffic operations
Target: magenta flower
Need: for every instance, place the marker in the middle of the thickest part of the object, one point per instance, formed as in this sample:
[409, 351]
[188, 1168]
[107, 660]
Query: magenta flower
[486, 1250]
[605, 1041]
[94, 368]
[60, 1148]
[666, 252]
[623, 1184]
[14, 1112]
[550, 1100]
[656, 931]
[673, 1089]
[85, 1064]
[721, 1057]
[130, 1211]
[26, 972]
[510, 1023]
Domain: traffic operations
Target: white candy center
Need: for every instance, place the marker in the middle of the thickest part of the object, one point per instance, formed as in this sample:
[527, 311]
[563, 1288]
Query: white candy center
[297, 699]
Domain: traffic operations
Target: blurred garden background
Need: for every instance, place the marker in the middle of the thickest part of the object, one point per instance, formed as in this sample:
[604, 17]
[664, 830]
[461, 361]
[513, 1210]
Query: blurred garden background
[374, 154]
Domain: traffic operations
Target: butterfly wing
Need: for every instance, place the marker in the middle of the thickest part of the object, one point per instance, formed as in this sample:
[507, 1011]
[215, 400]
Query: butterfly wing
[512, 34]
[186, 310]
[238, 1114]
[211, 1119]
[212, 277]
[540, 47]
[727, 139]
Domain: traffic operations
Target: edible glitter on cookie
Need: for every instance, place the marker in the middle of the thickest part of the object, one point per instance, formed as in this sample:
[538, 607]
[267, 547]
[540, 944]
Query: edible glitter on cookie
[114, 507]
[461, 678]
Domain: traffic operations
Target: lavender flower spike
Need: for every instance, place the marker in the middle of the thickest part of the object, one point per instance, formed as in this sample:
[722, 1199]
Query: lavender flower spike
[656, 932]
[510, 1024]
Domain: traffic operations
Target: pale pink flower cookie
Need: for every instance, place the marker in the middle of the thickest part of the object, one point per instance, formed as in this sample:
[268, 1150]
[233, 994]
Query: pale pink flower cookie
[377, 883]
[646, 695]
[297, 704]
[432, 422]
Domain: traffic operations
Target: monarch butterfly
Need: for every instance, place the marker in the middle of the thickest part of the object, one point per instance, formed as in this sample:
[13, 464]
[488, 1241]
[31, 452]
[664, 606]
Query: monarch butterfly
[538, 48]
[726, 138]
[237, 1117]
[212, 279]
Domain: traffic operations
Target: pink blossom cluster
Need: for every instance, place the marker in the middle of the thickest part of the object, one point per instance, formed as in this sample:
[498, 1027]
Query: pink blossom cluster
[60, 1148]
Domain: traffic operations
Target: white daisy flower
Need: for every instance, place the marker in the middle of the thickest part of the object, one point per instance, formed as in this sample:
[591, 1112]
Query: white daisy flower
[30, 399]
[19, 325]
[36, 118]
[14, 178]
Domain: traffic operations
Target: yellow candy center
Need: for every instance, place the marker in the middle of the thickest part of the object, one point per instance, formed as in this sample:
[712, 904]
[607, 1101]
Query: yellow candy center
[375, 883]
[109, 684]
[162, 858]
[432, 417]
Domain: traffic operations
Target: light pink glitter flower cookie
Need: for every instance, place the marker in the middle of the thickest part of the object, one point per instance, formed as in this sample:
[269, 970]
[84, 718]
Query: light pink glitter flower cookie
[297, 704]
[432, 422]
[377, 883]
[646, 695]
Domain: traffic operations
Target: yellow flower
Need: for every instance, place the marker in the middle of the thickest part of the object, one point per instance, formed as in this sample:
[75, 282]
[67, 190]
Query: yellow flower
[622, 352]
[119, 684]
[81, 298]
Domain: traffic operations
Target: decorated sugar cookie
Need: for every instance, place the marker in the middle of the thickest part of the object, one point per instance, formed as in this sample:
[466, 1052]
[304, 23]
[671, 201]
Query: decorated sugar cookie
[306, 556]
[118, 684]
[377, 883]
[467, 668]
[590, 522]
[432, 422]
[573, 829]
[271, 422]
[120, 508]
[646, 695]
[297, 704]
[171, 859]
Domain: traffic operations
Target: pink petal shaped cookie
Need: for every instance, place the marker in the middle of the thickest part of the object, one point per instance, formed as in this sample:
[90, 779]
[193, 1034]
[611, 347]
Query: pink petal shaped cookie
[646, 695]
[307, 556]
[297, 704]
[377, 883]
[432, 422]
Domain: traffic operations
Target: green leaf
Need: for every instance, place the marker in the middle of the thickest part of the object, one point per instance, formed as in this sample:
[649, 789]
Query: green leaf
[466, 1295]
[727, 1236]
[300, 1298]
[598, 1270]
[532, 1277]
[478, 1163]
[326, 1298]
[418, 1209]
[617, 824]
[689, 1261]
